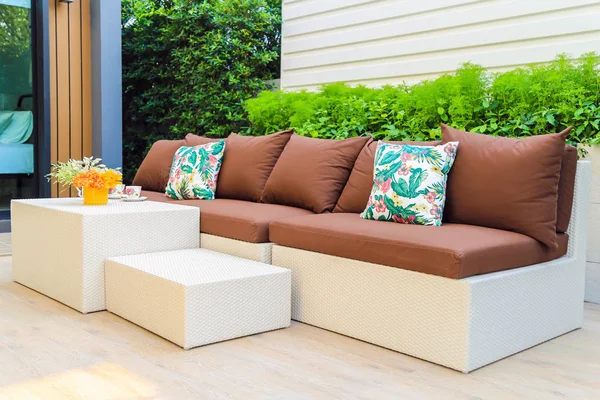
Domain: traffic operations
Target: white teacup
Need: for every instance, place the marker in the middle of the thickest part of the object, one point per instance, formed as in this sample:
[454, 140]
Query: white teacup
[133, 192]
[117, 191]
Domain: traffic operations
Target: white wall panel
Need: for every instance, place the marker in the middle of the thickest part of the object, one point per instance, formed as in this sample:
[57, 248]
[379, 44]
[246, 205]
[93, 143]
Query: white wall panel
[375, 42]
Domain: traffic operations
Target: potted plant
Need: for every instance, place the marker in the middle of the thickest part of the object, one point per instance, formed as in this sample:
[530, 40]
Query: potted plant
[88, 176]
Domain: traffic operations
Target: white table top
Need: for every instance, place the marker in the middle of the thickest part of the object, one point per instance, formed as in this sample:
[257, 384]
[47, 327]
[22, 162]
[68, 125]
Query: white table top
[76, 206]
[197, 266]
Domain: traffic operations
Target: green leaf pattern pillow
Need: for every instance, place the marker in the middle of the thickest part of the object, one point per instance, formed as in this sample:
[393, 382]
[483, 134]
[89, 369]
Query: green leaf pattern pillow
[409, 183]
[194, 171]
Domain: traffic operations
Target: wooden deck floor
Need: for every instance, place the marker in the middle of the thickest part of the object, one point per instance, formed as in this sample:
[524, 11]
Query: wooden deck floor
[5, 244]
[49, 351]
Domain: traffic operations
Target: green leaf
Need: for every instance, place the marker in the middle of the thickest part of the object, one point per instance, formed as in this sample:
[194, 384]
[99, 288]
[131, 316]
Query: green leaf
[385, 174]
[187, 169]
[441, 110]
[388, 158]
[193, 158]
[218, 147]
[400, 187]
[391, 206]
[204, 159]
[418, 175]
[203, 193]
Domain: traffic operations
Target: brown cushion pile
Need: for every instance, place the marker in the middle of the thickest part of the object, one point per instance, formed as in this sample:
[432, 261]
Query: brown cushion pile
[508, 201]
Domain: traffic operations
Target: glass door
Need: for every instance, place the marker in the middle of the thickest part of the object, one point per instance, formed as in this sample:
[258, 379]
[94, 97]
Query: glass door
[17, 133]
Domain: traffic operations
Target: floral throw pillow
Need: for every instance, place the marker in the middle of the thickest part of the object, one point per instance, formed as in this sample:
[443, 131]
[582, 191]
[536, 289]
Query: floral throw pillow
[409, 183]
[195, 170]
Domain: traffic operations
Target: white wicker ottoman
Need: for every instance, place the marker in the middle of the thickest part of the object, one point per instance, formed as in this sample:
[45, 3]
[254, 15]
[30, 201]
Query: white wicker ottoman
[196, 297]
[59, 245]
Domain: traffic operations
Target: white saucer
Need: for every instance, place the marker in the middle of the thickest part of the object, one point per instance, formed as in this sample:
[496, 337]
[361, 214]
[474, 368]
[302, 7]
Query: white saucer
[114, 197]
[142, 198]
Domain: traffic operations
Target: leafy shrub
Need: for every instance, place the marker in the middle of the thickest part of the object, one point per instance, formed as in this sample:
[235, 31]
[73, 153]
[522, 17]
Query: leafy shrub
[188, 66]
[527, 101]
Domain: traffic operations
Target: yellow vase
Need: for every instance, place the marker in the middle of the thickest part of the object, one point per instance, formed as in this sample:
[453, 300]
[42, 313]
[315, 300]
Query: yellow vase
[95, 197]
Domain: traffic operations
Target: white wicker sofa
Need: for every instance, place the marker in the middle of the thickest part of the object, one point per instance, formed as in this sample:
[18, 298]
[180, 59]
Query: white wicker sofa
[462, 323]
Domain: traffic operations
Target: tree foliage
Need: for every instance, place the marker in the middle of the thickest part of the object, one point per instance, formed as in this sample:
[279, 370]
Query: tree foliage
[15, 54]
[189, 66]
[15, 35]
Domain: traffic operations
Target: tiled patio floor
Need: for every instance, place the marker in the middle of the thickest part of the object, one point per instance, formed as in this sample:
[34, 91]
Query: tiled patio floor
[48, 350]
[5, 244]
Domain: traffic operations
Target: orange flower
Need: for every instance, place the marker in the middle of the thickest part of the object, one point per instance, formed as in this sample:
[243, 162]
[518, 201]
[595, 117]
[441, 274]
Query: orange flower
[89, 179]
[97, 180]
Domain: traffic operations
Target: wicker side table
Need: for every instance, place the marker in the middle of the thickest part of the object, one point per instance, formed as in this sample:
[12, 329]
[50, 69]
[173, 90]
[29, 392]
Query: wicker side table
[59, 245]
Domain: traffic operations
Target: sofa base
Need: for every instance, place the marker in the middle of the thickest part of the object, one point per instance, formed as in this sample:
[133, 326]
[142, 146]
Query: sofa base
[260, 252]
[461, 324]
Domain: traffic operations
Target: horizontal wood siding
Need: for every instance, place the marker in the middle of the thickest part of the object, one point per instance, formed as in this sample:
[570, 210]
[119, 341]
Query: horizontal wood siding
[376, 42]
[70, 83]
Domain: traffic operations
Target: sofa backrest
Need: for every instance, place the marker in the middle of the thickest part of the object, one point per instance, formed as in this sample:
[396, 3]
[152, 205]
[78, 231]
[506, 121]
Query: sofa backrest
[300, 180]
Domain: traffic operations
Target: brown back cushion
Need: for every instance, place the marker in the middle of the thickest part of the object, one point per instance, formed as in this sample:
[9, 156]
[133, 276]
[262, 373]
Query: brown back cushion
[311, 173]
[506, 183]
[195, 140]
[247, 164]
[566, 188]
[153, 174]
[356, 193]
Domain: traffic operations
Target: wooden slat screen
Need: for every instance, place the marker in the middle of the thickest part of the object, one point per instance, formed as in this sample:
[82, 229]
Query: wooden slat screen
[70, 83]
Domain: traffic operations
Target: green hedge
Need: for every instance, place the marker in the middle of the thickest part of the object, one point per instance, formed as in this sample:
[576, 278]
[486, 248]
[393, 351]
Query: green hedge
[522, 102]
[189, 65]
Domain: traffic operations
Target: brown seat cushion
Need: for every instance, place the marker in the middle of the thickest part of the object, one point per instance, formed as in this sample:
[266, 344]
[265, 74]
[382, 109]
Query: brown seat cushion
[247, 164]
[566, 189]
[506, 183]
[356, 193]
[450, 250]
[311, 173]
[235, 219]
[153, 173]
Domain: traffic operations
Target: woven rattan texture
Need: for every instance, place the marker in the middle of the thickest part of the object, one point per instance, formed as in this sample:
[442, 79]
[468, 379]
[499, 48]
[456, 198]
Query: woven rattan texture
[462, 324]
[196, 297]
[59, 245]
[253, 251]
